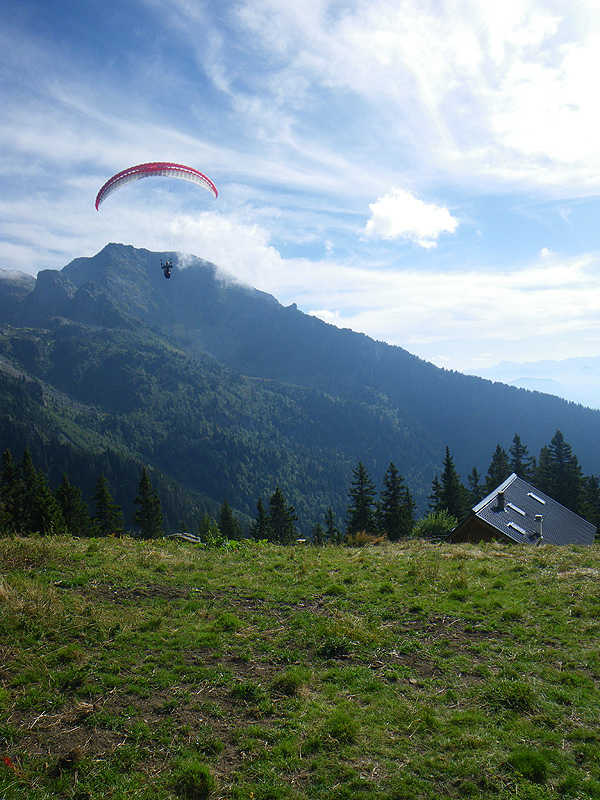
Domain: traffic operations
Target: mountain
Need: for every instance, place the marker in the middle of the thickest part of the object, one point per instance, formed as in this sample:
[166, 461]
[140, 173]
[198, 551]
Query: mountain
[225, 393]
[575, 379]
[14, 286]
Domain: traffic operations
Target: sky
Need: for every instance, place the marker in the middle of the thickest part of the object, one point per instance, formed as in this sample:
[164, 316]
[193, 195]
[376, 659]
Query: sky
[427, 173]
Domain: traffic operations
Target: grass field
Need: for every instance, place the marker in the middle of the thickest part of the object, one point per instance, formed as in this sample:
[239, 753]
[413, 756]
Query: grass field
[161, 670]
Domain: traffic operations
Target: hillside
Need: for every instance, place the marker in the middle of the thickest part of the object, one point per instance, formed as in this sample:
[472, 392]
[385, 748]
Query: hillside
[252, 333]
[136, 669]
[225, 393]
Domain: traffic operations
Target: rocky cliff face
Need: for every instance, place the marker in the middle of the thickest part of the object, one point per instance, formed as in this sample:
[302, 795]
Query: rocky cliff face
[14, 287]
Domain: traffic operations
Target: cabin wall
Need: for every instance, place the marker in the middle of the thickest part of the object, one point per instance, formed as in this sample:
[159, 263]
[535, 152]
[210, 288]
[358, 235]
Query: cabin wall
[474, 530]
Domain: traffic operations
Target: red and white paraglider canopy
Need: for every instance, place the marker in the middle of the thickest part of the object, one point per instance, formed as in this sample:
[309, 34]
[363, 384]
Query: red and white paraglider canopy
[164, 169]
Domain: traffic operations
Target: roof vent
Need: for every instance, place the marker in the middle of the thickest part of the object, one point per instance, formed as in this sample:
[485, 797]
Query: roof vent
[500, 501]
[535, 497]
[539, 520]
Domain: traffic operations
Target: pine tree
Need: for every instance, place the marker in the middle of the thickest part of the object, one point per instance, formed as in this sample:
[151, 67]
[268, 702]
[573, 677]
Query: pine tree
[589, 501]
[544, 477]
[560, 473]
[24, 496]
[74, 510]
[37, 510]
[148, 516]
[396, 512]
[453, 495]
[261, 527]
[209, 531]
[435, 498]
[108, 518]
[282, 518]
[8, 489]
[228, 524]
[361, 513]
[520, 461]
[332, 532]
[408, 512]
[476, 490]
[318, 535]
[499, 469]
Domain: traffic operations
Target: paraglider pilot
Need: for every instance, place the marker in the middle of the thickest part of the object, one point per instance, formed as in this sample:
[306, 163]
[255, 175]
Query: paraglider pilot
[166, 268]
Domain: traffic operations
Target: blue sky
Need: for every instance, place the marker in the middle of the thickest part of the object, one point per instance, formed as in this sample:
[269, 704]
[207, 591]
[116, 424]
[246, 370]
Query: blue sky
[425, 172]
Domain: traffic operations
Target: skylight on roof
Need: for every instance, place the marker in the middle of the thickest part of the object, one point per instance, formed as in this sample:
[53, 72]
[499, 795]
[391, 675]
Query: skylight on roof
[535, 497]
[516, 527]
[516, 508]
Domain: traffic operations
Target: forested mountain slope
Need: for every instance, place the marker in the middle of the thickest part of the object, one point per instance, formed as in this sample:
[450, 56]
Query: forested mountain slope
[212, 431]
[227, 394]
[252, 333]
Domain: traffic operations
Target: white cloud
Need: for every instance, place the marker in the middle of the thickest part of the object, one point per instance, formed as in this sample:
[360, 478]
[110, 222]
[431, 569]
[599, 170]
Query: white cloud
[479, 90]
[399, 214]
[458, 317]
[311, 111]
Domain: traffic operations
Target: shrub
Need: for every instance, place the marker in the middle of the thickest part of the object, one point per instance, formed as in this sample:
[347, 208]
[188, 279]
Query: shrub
[436, 525]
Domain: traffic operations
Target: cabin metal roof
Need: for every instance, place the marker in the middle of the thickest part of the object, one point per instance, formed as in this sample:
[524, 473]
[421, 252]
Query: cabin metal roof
[522, 502]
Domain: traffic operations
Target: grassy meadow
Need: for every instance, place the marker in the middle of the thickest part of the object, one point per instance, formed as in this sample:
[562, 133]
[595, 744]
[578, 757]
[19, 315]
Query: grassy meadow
[162, 670]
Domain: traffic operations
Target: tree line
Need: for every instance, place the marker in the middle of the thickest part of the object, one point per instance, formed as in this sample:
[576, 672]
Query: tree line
[29, 505]
[390, 516]
[556, 471]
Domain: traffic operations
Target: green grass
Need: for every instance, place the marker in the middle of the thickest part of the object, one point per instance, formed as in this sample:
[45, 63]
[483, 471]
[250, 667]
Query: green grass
[157, 670]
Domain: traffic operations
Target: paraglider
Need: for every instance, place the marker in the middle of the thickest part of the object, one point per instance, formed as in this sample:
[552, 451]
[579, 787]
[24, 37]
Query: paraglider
[166, 267]
[165, 169]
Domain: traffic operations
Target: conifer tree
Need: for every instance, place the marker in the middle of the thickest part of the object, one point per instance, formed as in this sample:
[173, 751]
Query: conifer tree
[318, 535]
[228, 524]
[520, 461]
[409, 511]
[332, 532]
[24, 496]
[209, 530]
[589, 501]
[361, 513]
[452, 494]
[558, 473]
[397, 507]
[108, 518]
[261, 527]
[544, 473]
[499, 469]
[74, 510]
[281, 519]
[435, 498]
[8, 489]
[148, 516]
[476, 490]
[36, 507]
